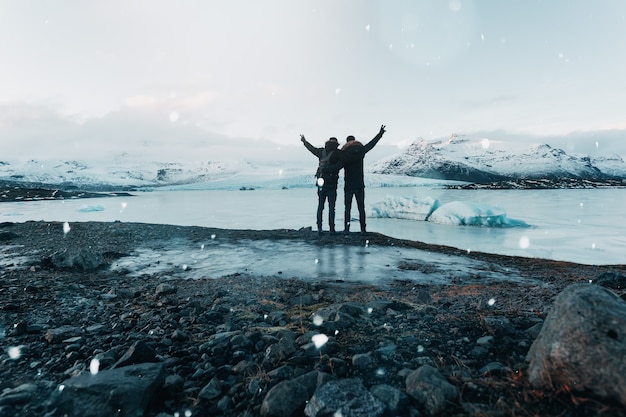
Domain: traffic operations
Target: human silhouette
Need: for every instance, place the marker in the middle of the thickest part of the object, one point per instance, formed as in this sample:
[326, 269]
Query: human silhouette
[352, 155]
[327, 176]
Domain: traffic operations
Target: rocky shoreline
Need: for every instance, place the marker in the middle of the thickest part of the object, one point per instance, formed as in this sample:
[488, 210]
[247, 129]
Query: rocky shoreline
[79, 339]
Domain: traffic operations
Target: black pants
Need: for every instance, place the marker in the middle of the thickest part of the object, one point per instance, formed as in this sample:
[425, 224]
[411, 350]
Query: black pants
[324, 193]
[359, 195]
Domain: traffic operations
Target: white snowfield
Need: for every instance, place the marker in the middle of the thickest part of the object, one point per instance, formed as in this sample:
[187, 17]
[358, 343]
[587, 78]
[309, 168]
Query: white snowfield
[294, 167]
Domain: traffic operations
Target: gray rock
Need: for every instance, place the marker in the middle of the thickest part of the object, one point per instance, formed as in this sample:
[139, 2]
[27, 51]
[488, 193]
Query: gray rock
[582, 343]
[120, 392]
[430, 389]
[59, 334]
[534, 330]
[499, 326]
[280, 351]
[179, 335]
[485, 341]
[345, 397]
[361, 360]
[424, 297]
[338, 316]
[225, 403]
[212, 390]
[494, 368]
[139, 352]
[173, 382]
[395, 401]
[612, 280]
[284, 399]
[280, 373]
[18, 395]
[313, 380]
[76, 259]
[165, 288]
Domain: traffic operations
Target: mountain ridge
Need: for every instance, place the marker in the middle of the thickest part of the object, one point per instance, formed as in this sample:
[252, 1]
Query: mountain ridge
[485, 162]
[474, 162]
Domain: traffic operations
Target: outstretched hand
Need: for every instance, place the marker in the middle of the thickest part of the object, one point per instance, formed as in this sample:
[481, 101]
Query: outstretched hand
[302, 139]
[382, 129]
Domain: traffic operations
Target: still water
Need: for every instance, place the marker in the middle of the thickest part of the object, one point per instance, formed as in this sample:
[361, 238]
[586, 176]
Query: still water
[585, 226]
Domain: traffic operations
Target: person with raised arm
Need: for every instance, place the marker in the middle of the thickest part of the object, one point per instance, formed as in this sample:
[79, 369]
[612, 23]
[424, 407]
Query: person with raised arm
[352, 155]
[327, 176]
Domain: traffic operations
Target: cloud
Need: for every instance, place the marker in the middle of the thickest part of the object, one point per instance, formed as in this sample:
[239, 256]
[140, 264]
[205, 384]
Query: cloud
[144, 132]
[149, 132]
[140, 101]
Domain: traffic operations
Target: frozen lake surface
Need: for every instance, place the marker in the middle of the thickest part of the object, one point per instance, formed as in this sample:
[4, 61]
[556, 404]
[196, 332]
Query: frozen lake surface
[585, 226]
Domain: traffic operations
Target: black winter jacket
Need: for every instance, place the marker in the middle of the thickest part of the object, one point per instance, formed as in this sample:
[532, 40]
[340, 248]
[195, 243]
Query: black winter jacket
[352, 154]
[330, 172]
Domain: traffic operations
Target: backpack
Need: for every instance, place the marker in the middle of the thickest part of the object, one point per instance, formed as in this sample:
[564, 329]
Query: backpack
[322, 168]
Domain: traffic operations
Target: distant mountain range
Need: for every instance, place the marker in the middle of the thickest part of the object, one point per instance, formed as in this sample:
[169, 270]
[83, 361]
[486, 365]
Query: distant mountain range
[483, 163]
[470, 162]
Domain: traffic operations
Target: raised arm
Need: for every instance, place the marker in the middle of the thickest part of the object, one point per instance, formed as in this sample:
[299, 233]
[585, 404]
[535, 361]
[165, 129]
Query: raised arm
[368, 147]
[315, 151]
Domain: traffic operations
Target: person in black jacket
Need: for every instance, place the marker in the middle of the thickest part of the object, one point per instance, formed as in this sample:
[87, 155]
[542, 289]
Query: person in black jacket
[327, 176]
[352, 154]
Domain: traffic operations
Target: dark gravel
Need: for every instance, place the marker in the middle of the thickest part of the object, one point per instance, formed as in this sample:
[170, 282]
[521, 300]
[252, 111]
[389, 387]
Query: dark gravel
[377, 333]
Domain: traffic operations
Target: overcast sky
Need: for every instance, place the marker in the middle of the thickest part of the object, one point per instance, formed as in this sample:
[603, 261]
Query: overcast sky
[181, 75]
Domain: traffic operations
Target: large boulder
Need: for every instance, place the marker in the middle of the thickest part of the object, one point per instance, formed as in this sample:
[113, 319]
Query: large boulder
[345, 397]
[75, 259]
[582, 344]
[123, 392]
[431, 390]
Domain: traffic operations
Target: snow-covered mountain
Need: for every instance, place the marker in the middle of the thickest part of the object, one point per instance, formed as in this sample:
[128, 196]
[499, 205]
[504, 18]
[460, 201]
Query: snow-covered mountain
[482, 161]
[459, 158]
[117, 174]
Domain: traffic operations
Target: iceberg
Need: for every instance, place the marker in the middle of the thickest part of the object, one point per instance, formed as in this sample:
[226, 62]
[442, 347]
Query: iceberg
[453, 213]
[91, 208]
[409, 208]
[473, 214]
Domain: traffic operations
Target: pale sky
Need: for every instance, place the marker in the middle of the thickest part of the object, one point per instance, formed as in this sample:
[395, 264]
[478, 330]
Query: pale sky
[104, 75]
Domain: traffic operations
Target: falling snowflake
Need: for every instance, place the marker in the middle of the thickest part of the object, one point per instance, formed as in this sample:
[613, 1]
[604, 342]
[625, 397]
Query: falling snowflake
[15, 352]
[318, 320]
[66, 228]
[94, 366]
[524, 242]
[319, 340]
[491, 301]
